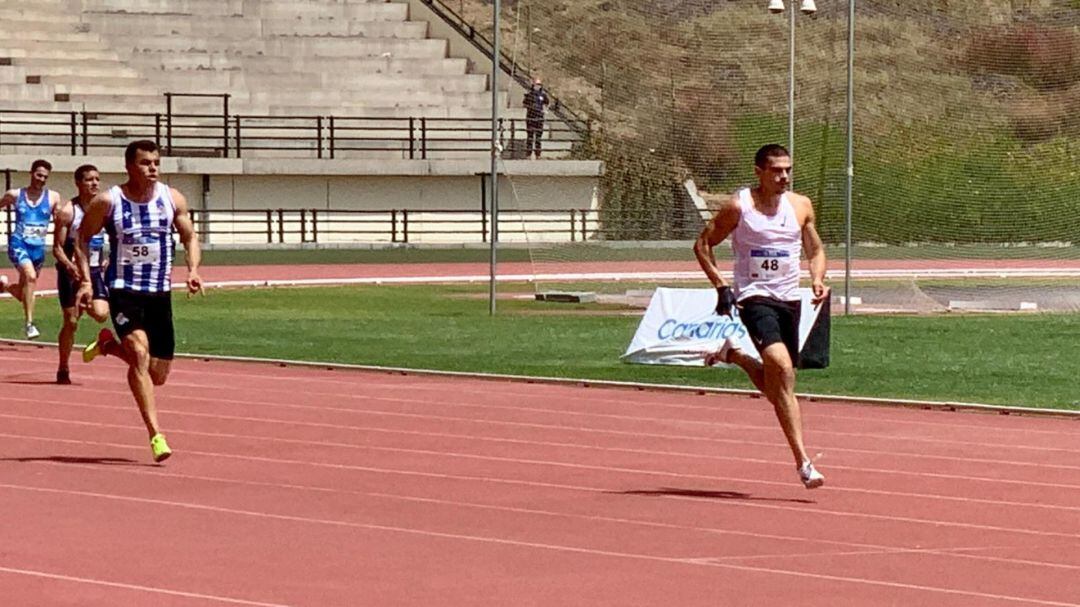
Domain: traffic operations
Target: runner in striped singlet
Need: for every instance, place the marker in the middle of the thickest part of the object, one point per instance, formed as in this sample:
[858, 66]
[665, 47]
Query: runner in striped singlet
[769, 227]
[139, 217]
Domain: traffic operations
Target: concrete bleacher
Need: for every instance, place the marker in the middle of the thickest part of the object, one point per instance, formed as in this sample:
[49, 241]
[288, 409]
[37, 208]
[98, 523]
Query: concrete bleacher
[384, 70]
[273, 58]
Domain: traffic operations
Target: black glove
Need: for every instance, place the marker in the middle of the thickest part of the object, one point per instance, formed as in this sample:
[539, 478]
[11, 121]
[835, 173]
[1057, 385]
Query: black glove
[725, 300]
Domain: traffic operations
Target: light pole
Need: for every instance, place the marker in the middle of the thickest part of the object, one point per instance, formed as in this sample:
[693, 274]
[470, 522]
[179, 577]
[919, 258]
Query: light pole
[495, 149]
[849, 184]
[807, 7]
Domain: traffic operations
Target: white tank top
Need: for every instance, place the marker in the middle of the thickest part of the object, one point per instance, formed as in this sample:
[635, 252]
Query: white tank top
[767, 251]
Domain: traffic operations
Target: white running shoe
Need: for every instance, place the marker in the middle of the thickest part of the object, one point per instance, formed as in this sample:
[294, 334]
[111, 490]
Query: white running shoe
[3, 283]
[721, 355]
[32, 331]
[810, 477]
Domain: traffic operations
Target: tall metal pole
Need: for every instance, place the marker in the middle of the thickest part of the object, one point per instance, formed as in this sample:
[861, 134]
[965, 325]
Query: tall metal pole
[791, 91]
[494, 189]
[850, 154]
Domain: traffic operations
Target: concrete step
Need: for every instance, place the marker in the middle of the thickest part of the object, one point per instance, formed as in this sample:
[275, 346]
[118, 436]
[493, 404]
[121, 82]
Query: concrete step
[63, 65]
[51, 49]
[374, 111]
[416, 67]
[140, 101]
[66, 39]
[206, 8]
[267, 64]
[209, 81]
[355, 101]
[324, 81]
[16, 11]
[191, 46]
[145, 25]
[368, 11]
[46, 6]
[12, 74]
[345, 27]
[83, 69]
[123, 82]
[392, 48]
[12, 105]
[35, 22]
[16, 93]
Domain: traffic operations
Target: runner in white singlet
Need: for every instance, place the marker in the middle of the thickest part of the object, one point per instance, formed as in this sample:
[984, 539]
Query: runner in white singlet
[69, 218]
[769, 227]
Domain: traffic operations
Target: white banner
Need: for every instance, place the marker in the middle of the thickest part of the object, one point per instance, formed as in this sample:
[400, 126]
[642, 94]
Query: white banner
[681, 326]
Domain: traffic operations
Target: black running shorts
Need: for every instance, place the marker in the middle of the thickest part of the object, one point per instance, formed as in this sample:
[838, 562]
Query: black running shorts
[66, 286]
[151, 312]
[771, 321]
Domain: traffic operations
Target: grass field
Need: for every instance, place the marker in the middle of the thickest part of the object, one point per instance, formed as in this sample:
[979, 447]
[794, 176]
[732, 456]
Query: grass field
[1029, 360]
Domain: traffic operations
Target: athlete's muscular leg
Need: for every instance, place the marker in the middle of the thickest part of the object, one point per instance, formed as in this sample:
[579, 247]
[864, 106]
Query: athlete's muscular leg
[779, 379]
[753, 367]
[135, 350]
[24, 291]
[159, 370]
[67, 336]
[99, 310]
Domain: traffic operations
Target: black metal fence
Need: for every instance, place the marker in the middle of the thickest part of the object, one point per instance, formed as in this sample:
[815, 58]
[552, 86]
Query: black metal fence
[271, 226]
[81, 133]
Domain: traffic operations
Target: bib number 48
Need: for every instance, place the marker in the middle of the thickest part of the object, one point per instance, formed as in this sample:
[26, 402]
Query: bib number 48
[770, 265]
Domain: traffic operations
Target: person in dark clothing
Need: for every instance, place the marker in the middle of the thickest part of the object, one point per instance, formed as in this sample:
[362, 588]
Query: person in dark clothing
[536, 101]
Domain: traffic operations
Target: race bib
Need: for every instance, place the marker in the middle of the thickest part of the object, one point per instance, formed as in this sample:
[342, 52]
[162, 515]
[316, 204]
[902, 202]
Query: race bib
[35, 231]
[140, 252]
[767, 264]
[95, 258]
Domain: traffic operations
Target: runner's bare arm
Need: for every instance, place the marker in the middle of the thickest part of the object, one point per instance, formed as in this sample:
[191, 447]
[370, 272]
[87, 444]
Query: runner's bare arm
[190, 240]
[815, 251]
[9, 198]
[716, 230]
[61, 225]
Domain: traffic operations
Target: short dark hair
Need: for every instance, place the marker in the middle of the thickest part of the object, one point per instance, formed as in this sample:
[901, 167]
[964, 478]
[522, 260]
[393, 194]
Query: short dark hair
[41, 163]
[144, 145]
[773, 150]
[83, 170]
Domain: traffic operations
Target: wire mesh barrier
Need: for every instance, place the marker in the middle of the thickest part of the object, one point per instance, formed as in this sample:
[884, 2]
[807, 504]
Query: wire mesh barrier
[223, 136]
[966, 131]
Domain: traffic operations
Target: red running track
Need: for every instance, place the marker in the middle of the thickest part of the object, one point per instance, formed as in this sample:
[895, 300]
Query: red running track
[298, 486]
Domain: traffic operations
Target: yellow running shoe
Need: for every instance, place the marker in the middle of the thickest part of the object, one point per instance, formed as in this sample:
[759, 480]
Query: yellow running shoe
[160, 448]
[97, 347]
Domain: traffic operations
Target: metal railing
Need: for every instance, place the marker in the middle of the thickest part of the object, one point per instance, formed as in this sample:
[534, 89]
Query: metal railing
[276, 226]
[82, 133]
[447, 226]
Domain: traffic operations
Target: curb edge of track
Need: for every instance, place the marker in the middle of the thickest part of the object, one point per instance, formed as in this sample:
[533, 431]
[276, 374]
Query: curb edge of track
[949, 406]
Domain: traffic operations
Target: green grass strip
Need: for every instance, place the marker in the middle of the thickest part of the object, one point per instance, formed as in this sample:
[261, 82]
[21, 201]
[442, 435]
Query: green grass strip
[1020, 360]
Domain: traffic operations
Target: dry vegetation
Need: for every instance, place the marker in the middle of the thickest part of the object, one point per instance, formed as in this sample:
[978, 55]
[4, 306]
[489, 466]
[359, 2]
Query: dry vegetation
[689, 87]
